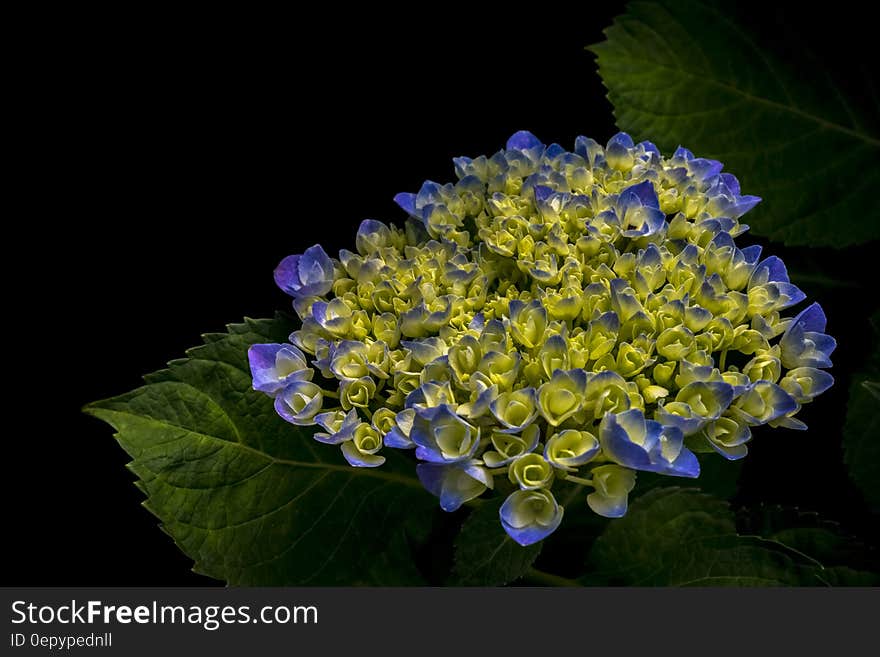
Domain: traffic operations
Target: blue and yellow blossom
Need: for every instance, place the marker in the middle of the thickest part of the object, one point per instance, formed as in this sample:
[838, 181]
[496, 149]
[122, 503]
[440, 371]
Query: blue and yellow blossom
[531, 472]
[763, 402]
[338, 425]
[441, 436]
[506, 447]
[454, 484]
[515, 410]
[728, 437]
[562, 396]
[361, 450]
[299, 402]
[551, 318]
[630, 440]
[612, 485]
[529, 516]
[570, 449]
[398, 435]
[309, 274]
[804, 343]
[275, 365]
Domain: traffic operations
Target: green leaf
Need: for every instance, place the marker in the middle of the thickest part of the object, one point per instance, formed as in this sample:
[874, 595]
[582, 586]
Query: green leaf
[861, 432]
[740, 561]
[250, 498]
[485, 555]
[846, 560]
[687, 72]
[682, 537]
[634, 548]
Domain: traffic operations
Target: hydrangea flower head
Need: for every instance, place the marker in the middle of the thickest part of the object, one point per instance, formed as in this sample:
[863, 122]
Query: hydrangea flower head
[551, 316]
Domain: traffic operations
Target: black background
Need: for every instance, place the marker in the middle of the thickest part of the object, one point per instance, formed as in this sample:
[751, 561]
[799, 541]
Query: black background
[173, 160]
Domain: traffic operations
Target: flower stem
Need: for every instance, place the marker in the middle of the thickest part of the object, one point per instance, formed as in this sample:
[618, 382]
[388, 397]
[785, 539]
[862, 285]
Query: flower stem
[542, 578]
[578, 480]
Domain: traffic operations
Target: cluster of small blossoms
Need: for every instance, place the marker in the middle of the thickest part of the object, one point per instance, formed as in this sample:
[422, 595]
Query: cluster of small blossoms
[552, 316]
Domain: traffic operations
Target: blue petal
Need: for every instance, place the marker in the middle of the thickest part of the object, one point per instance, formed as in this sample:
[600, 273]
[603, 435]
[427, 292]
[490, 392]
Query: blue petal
[608, 507]
[685, 465]
[824, 343]
[366, 231]
[315, 267]
[453, 484]
[429, 454]
[717, 225]
[677, 175]
[682, 153]
[286, 412]
[578, 375]
[319, 312]
[331, 438]
[480, 474]
[644, 193]
[782, 402]
[528, 534]
[345, 432]
[794, 293]
[357, 459]
[323, 419]
[287, 274]
[674, 439]
[589, 149]
[554, 150]
[654, 221]
[425, 350]
[811, 318]
[617, 444]
[309, 274]
[396, 439]
[533, 533]
[608, 320]
[650, 256]
[555, 343]
[731, 182]
[462, 164]
[649, 147]
[704, 169]
[470, 183]
[773, 268]
[804, 329]
[722, 391]
[723, 239]
[732, 453]
[688, 425]
[261, 358]
[621, 139]
[423, 437]
[752, 253]
[542, 193]
[744, 204]
[430, 193]
[523, 141]
[407, 201]
[514, 308]
[602, 378]
[432, 477]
